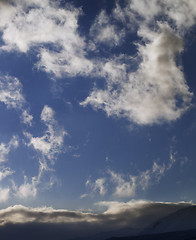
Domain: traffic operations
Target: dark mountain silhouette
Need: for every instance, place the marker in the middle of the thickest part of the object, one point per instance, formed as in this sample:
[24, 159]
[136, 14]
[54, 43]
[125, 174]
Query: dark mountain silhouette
[181, 220]
[180, 225]
[180, 235]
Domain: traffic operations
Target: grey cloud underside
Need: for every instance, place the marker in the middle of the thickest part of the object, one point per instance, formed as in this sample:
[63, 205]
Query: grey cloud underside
[156, 92]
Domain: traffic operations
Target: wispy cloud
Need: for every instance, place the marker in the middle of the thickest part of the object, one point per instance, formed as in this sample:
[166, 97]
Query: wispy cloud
[50, 144]
[106, 32]
[27, 189]
[48, 147]
[123, 188]
[5, 149]
[128, 186]
[4, 172]
[97, 186]
[11, 94]
[27, 118]
[4, 194]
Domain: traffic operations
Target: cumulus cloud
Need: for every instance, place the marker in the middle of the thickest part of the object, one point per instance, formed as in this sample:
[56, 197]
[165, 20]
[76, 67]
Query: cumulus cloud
[52, 30]
[134, 215]
[157, 91]
[151, 87]
[153, 92]
[183, 14]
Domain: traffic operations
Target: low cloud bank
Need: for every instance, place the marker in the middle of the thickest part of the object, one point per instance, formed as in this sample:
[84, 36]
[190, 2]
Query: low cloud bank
[38, 223]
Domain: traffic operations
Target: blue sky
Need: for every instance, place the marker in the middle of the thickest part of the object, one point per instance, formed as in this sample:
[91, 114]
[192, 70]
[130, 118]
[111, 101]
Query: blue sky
[97, 102]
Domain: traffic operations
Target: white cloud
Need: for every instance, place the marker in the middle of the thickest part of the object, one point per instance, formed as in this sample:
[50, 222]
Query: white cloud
[182, 13]
[128, 186]
[99, 185]
[27, 189]
[103, 31]
[30, 188]
[4, 194]
[145, 8]
[154, 93]
[24, 28]
[11, 92]
[84, 196]
[157, 91]
[123, 188]
[6, 148]
[50, 144]
[4, 172]
[27, 118]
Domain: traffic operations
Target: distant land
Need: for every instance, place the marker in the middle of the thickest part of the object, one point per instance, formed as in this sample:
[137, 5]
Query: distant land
[180, 225]
[180, 235]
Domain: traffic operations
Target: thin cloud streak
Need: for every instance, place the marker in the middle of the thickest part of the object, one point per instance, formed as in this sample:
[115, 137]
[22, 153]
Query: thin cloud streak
[48, 147]
[11, 94]
[128, 186]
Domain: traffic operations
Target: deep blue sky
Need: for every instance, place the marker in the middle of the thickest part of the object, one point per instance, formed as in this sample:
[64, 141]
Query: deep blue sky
[110, 109]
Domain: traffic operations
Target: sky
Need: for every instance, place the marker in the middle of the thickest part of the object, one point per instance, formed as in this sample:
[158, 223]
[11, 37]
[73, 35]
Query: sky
[97, 105]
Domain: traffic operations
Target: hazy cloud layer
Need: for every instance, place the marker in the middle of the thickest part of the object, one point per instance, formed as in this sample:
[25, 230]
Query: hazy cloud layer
[118, 215]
